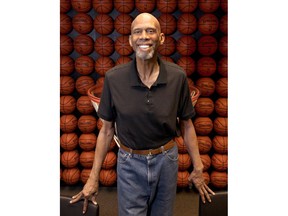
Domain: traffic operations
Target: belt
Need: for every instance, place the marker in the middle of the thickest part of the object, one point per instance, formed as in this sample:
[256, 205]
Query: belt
[159, 150]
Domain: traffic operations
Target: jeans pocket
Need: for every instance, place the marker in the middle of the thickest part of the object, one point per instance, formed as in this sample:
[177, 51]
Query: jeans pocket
[122, 156]
[172, 154]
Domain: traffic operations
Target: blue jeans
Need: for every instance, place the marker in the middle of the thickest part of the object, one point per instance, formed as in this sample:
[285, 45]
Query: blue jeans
[147, 184]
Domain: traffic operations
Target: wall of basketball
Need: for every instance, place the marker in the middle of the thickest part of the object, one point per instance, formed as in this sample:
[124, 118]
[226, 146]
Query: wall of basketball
[94, 38]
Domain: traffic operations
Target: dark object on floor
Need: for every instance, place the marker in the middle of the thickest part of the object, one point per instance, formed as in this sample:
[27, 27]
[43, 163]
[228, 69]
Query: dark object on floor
[218, 206]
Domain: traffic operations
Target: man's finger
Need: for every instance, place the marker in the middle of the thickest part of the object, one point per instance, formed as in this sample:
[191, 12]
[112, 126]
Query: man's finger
[76, 197]
[85, 205]
[93, 199]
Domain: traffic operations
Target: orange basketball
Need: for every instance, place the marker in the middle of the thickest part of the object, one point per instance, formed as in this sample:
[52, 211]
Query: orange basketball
[145, 5]
[69, 141]
[204, 144]
[220, 144]
[221, 126]
[104, 45]
[124, 6]
[86, 158]
[166, 6]
[219, 162]
[187, 63]
[84, 105]
[204, 106]
[68, 123]
[87, 123]
[66, 65]
[187, 23]
[222, 66]
[85, 175]
[70, 159]
[223, 45]
[224, 5]
[182, 179]
[223, 25]
[221, 107]
[122, 45]
[206, 161]
[186, 45]
[203, 125]
[181, 145]
[122, 23]
[206, 85]
[67, 104]
[207, 45]
[81, 5]
[167, 58]
[221, 87]
[208, 6]
[83, 44]
[103, 6]
[84, 65]
[67, 85]
[168, 47]
[168, 23]
[108, 177]
[206, 66]
[87, 141]
[83, 83]
[206, 177]
[184, 161]
[65, 6]
[65, 24]
[71, 176]
[66, 45]
[187, 6]
[219, 179]
[123, 60]
[99, 124]
[109, 160]
[82, 23]
[208, 24]
[103, 24]
[103, 64]
[112, 145]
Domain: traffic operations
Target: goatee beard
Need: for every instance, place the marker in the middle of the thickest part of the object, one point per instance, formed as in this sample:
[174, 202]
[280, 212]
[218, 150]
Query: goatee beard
[144, 55]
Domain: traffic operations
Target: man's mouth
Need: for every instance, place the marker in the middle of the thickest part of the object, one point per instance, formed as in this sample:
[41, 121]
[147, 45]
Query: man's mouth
[144, 47]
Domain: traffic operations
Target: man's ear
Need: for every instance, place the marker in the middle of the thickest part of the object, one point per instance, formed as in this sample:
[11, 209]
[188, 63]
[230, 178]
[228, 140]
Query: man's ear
[162, 38]
[130, 40]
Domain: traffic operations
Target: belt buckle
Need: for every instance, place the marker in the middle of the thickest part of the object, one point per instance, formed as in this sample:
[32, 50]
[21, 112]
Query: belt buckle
[150, 152]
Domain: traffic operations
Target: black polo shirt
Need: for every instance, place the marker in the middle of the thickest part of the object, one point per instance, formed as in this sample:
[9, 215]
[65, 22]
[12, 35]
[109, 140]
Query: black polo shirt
[145, 118]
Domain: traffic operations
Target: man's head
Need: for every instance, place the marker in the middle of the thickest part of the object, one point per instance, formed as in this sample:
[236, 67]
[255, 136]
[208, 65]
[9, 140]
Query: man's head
[146, 36]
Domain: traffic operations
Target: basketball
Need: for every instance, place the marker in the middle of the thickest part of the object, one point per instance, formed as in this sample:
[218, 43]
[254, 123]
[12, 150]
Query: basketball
[67, 85]
[69, 141]
[190, 82]
[84, 65]
[81, 5]
[206, 66]
[220, 144]
[204, 144]
[203, 125]
[204, 106]
[186, 45]
[122, 45]
[219, 162]
[221, 126]
[187, 23]
[208, 24]
[221, 87]
[68, 123]
[103, 24]
[83, 83]
[84, 105]
[110, 160]
[222, 66]
[123, 60]
[219, 179]
[87, 141]
[104, 45]
[103, 6]
[67, 104]
[103, 64]
[187, 6]
[208, 6]
[168, 47]
[65, 6]
[182, 179]
[122, 24]
[206, 177]
[108, 177]
[65, 24]
[206, 161]
[83, 44]
[221, 107]
[99, 124]
[184, 161]
[180, 144]
[206, 85]
[87, 123]
[223, 45]
[71, 176]
[145, 5]
[112, 145]
[207, 45]
[167, 58]
[224, 5]
[168, 24]
[82, 23]
[66, 45]
[166, 6]
[85, 173]
[66, 65]
[187, 63]
[124, 6]
[86, 158]
[70, 159]
[223, 26]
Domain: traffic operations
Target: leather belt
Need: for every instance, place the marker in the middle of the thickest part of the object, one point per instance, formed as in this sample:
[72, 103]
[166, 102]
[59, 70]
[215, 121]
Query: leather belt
[159, 150]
